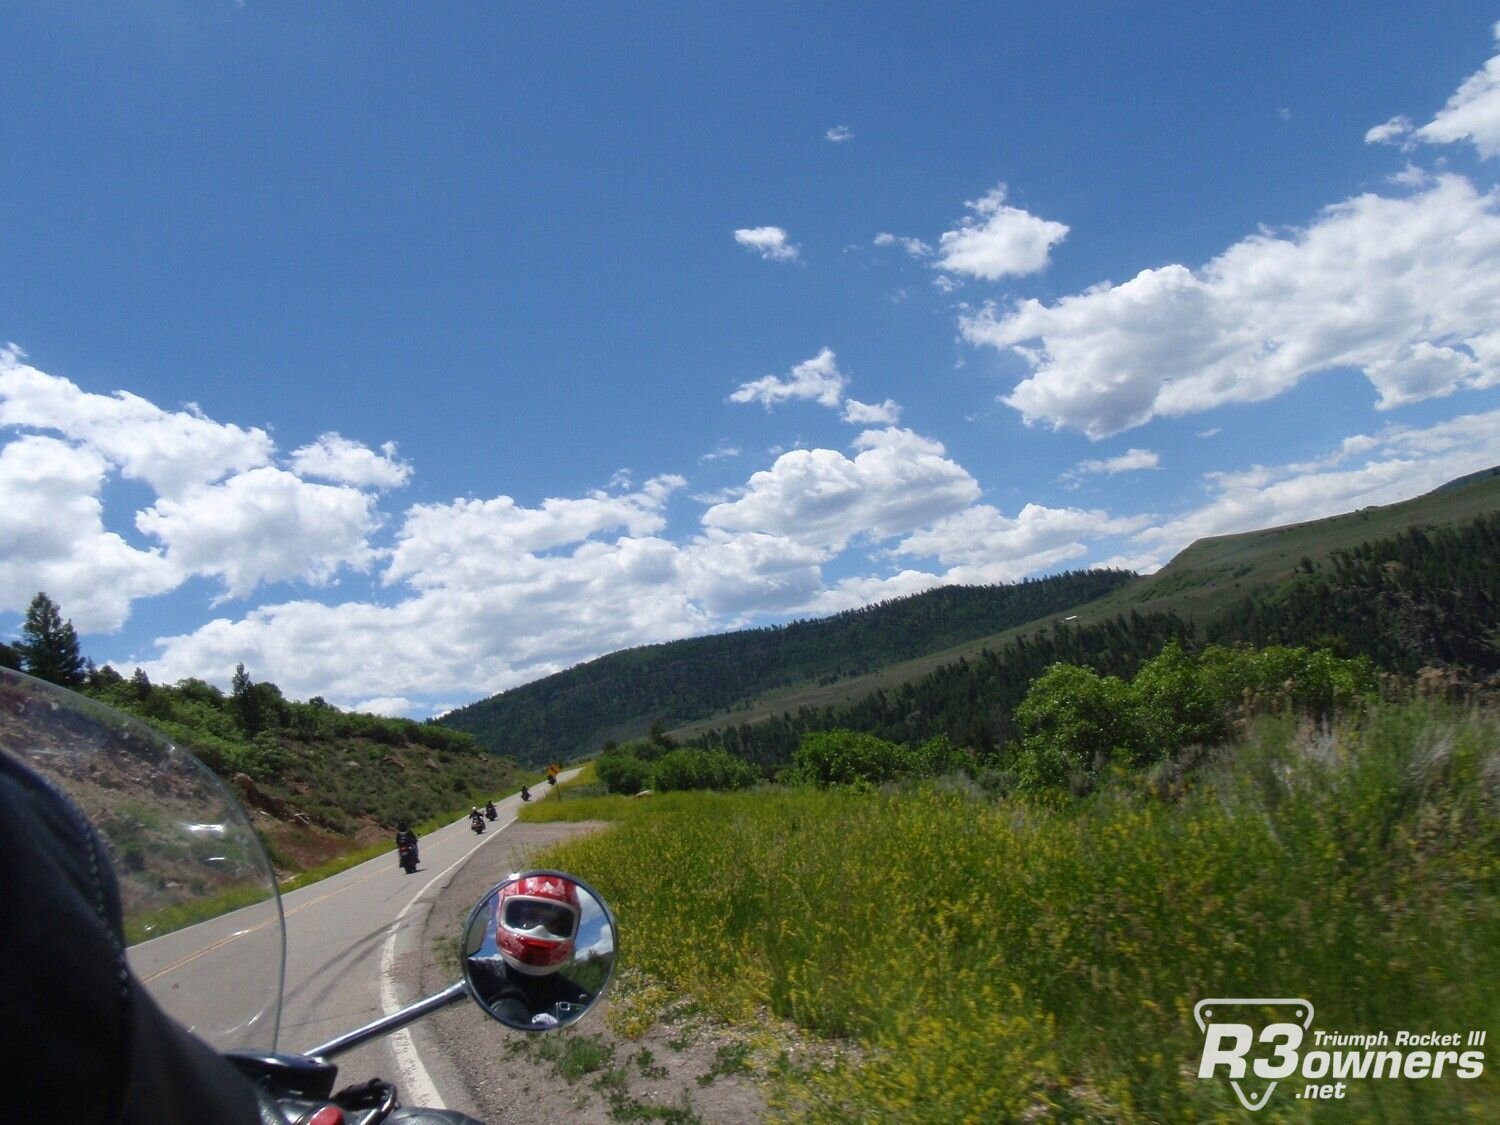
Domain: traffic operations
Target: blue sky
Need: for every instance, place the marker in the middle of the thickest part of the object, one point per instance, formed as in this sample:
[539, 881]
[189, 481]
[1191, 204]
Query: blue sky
[405, 355]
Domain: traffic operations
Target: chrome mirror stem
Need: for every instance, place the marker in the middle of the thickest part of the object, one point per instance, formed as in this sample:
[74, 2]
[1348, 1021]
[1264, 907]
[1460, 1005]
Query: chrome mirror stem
[393, 1022]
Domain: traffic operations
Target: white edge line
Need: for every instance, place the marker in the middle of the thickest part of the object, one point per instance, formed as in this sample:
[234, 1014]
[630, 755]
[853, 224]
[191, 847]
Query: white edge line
[413, 1076]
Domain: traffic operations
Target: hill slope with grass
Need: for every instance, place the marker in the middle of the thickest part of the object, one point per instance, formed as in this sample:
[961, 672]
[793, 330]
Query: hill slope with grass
[1424, 598]
[691, 687]
[319, 782]
[1201, 592]
[1064, 942]
[623, 695]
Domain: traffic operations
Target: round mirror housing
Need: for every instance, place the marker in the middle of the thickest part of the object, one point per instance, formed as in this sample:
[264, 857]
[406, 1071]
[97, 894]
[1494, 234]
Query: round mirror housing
[539, 950]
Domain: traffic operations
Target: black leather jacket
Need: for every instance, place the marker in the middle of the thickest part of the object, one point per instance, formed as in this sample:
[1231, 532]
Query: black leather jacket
[87, 1042]
[515, 998]
[81, 1041]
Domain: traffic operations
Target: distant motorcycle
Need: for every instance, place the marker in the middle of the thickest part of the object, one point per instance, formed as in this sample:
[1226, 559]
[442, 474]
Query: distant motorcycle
[490, 813]
[476, 822]
[408, 856]
[525, 793]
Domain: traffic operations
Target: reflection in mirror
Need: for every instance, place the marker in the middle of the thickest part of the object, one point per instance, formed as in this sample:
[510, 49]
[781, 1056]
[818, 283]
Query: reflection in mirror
[539, 950]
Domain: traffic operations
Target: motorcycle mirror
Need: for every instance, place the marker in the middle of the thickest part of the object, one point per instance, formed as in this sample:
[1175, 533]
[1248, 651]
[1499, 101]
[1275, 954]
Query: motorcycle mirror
[539, 950]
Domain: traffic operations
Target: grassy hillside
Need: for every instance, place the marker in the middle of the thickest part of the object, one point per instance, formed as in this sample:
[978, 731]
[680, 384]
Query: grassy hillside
[1212, 573]
[318, 781]
[622, 695]
[692, 687]
[992, 959]
[1203, 581]
[1424, 598]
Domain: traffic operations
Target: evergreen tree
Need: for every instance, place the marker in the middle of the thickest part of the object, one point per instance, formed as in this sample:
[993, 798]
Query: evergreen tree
[49, 646]
[244, 701]
[103, 678]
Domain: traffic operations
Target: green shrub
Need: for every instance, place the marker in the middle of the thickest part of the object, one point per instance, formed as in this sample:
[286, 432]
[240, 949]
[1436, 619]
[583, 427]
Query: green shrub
[1178, 704]
[701, 769]
[1073, 721]
[843, 757]
[1310, 680]
[623, 772]
[938, 756]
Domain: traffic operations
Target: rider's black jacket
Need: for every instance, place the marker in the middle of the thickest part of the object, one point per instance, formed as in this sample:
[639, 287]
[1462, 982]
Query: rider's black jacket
[407, 837]
[81, 1041]
[516, 998]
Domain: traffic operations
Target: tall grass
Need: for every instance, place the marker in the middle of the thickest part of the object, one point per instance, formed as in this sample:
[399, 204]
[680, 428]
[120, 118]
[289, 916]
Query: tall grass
[998, 959]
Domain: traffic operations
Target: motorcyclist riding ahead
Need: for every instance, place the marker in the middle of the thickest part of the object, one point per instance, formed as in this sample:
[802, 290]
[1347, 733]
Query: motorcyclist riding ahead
[406, 846]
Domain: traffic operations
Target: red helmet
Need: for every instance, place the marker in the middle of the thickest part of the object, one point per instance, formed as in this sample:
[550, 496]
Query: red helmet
[536, 923]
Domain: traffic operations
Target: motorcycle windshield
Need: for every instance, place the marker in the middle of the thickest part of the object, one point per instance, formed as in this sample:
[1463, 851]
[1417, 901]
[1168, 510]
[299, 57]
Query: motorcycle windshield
[202, 913]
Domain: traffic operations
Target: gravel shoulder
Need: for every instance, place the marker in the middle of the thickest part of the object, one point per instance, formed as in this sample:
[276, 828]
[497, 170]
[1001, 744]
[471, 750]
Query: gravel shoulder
[683, 1068]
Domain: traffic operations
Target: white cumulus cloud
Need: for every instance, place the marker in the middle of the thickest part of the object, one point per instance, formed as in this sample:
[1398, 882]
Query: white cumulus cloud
[265, 525]
[52, 537]
[336, 458]
[1397, 463]
[898, 481]
[1402, 289]
[771, 243]
[169, 450]
[818, 379]
[1132, 460]
[980, 544]
[863, 590]
[735, 575]
[467, 543]
[388, 706]
[1389, 132]
[722, 451]
[465, 638]
[886, 413]
[1472, 113]
[914, 247]
[998, 240]
[221, 508]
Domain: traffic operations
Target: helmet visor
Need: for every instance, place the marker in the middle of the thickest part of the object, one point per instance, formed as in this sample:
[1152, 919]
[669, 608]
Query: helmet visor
[540, 917]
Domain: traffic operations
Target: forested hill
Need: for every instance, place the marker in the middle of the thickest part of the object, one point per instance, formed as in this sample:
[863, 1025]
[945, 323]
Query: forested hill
[1425, 597]
[623, 694]
[861, 668]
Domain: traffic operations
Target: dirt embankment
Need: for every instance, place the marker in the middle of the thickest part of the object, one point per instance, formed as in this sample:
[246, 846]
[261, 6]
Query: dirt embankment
[297, 846]
[683, 1068]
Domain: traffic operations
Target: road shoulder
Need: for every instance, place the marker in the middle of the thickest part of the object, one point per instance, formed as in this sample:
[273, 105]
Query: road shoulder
[682, 1069]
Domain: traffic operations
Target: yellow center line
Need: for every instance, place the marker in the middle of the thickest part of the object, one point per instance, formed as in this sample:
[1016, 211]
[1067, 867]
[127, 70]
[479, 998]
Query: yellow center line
[191, 957]
[258, 926]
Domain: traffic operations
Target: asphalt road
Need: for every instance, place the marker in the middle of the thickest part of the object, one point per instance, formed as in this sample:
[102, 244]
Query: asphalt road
[347, 938]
